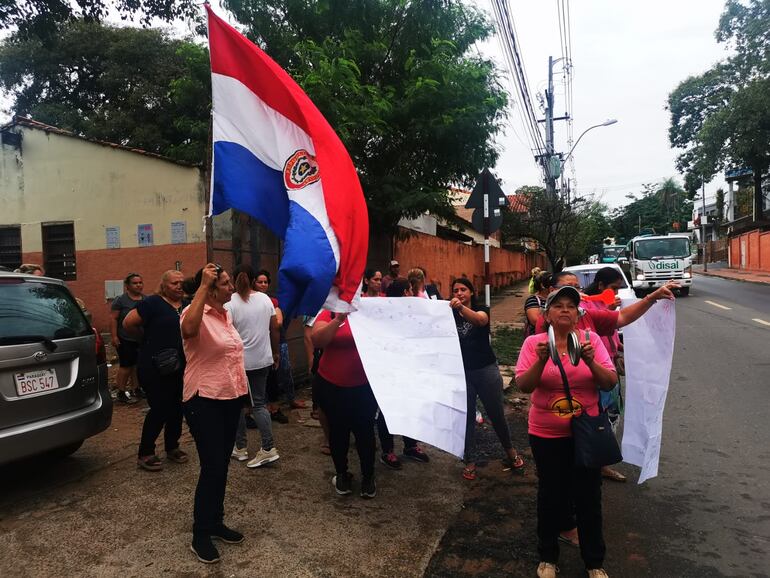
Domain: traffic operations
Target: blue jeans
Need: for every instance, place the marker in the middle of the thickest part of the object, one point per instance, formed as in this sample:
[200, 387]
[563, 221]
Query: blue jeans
[285, 380]
[257, 385]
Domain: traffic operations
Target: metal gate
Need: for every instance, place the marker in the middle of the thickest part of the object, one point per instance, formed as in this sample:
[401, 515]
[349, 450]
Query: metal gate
[235, 238]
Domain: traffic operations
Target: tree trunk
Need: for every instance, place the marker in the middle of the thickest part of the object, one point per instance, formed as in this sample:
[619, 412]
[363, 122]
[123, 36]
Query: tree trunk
[759, 201]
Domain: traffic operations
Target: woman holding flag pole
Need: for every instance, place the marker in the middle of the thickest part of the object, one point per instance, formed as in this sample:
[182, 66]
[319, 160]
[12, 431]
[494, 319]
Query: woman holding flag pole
[215, 386]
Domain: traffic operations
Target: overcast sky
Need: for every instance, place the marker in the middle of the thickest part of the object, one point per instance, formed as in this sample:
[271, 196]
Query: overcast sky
[627, 57]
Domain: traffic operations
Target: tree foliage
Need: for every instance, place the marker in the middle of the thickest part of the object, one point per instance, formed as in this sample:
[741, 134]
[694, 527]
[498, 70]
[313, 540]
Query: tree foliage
[41, 18]
[133, 86]
[721, 119]
[416, 107]
[568, 231]
[657, 206]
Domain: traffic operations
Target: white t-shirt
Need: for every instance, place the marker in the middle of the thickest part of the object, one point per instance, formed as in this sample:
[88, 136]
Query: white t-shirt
[252, 320]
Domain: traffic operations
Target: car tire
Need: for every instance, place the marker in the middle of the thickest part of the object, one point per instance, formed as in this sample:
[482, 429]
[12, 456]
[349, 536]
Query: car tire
[684, 291]
[68, 450]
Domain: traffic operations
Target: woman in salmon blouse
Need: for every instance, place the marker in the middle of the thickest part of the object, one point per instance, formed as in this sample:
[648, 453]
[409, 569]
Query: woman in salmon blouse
[214, 390]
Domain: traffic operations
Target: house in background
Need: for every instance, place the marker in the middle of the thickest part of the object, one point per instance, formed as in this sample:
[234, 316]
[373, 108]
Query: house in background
[91, 212]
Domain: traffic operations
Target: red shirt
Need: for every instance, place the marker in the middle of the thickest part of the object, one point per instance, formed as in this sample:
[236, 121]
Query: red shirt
[340, 363]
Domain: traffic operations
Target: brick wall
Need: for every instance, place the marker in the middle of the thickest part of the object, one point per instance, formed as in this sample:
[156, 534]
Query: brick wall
[757, 247]
[446, 260]
[96, 267]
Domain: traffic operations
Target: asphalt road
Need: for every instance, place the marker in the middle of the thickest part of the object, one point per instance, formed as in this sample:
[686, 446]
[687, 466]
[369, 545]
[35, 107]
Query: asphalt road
[708, 511]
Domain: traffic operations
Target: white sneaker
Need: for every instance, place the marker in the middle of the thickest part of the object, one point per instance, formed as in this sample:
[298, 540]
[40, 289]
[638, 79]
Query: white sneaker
[240, 454]
[546, 570]
[263, 457]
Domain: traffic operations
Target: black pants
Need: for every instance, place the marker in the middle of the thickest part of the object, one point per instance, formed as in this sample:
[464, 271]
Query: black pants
[164, 396]
[213, 423]
[386, 439]
[349, 409]
[560, 485]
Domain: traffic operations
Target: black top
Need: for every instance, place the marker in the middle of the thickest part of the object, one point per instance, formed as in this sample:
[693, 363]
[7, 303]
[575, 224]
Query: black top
[474, 342]
[433, 292]
[532, 302]
[161, 329]
[124, 304]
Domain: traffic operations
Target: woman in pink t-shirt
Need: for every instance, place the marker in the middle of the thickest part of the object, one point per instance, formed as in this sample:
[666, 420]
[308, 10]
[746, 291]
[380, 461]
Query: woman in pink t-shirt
[560, 482]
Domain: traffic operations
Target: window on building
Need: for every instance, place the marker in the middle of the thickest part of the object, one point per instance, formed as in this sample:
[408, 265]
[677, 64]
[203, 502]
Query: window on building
[10, 246]
[59, 250]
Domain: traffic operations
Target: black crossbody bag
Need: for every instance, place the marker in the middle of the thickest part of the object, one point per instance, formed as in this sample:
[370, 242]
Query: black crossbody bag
[595, 442]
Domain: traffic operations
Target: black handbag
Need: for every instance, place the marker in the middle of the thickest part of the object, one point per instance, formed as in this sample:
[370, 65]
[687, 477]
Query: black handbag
[595, 442]
[167, 361]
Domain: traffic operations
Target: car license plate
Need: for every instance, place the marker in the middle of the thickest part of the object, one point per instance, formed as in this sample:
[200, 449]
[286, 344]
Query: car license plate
[30, 382]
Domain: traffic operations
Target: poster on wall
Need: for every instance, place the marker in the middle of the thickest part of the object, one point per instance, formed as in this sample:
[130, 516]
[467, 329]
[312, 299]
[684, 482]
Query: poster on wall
[144, 235]
[178, 232]
[113, 237]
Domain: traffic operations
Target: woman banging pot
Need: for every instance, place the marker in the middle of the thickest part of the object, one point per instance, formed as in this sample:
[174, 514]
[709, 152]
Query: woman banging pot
[560, 482]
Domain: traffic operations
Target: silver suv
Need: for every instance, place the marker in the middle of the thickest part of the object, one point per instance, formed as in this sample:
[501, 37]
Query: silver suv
[53, 370]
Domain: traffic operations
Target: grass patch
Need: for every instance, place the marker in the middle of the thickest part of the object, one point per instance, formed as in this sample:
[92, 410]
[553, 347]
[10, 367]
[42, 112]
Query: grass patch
[506, 341]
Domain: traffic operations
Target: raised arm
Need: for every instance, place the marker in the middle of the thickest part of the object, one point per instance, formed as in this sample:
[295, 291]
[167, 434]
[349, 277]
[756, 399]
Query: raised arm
[191, 323]
[633, 312]
[324, 331]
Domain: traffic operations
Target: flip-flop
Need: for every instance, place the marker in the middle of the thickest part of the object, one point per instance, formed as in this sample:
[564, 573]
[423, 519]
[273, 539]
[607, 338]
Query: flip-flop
[570, 541]
[469, 473]
[613, 475]
[516, 464]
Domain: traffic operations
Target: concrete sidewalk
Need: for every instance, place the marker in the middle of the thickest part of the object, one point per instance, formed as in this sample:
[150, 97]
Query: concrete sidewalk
[733, 274]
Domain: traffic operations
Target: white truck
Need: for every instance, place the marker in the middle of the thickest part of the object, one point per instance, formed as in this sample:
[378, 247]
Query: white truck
[650, 261]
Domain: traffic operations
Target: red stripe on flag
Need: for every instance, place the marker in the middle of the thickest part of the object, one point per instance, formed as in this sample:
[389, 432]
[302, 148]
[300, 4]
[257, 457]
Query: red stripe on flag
[234, 55]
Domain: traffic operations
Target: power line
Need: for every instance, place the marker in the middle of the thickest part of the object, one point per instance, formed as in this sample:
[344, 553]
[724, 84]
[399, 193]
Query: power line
[508, 36]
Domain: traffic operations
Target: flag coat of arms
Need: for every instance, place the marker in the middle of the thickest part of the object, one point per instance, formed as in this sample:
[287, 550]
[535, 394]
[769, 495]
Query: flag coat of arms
[276, 158]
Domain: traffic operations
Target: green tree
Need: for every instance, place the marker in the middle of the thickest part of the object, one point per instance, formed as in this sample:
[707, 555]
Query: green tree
[568, 231]
[41, 18]
[721, 119]
[657, 207]
[133, 86]
[416, 106]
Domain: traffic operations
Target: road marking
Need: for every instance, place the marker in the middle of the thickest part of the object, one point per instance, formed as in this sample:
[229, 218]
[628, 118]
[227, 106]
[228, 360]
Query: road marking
[762, 322]
[720, 306]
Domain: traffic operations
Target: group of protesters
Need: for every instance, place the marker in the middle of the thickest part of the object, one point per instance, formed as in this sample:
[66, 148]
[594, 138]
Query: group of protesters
[209, 345]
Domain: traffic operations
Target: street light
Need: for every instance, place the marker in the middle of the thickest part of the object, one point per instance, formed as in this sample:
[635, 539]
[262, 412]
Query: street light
[607, 122]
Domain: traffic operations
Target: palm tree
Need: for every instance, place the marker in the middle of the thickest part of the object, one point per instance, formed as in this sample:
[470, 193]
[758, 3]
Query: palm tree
[670, 193]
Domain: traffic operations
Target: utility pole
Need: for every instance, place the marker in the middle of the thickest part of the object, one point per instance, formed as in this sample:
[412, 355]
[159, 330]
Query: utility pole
[703, 223]
[549, 159]
[551, 181]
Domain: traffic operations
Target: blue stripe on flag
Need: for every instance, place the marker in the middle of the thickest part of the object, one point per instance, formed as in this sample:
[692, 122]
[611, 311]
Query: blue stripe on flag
[245, 183]
[308, 266]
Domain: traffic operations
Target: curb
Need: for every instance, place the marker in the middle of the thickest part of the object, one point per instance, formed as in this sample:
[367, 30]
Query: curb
[731, 278]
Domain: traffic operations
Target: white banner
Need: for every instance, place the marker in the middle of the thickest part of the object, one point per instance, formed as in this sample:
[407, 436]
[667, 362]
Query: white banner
[411, 354]
[648, 349]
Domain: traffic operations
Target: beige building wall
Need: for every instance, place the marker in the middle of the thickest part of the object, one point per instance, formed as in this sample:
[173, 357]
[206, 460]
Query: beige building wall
[63, 178]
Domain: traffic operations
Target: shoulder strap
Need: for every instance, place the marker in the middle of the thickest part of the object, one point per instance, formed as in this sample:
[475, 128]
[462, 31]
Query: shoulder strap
[565, 383]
